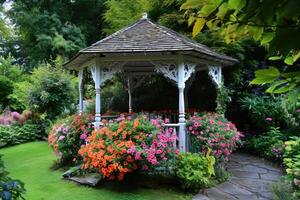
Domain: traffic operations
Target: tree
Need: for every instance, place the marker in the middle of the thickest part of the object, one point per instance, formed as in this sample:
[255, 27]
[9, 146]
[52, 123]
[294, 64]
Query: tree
[274, 23]
[6, 88]
[121, 13]
[49, 28]
[53, 91]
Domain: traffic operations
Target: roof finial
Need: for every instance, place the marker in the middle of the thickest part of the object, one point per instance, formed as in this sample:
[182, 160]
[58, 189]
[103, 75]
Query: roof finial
[145, 15]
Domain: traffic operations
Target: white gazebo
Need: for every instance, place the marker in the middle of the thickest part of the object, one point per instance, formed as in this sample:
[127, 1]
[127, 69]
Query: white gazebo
[145, 48]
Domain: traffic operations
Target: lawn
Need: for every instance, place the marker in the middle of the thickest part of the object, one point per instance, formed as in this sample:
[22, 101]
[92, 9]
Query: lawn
[31, 163]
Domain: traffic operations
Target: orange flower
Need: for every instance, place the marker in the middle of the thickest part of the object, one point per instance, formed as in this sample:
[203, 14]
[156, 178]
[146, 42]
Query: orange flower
[135, 123]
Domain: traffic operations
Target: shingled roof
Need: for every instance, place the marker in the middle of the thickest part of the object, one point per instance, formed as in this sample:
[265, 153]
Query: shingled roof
[144, 36]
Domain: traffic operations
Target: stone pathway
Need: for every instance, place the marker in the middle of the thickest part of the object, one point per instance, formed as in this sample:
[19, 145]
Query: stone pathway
[251, 179]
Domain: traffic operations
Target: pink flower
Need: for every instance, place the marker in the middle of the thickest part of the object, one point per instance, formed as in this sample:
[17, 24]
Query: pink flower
[131, 150]
[83, 136]
[138, 155]
[298, 110]
[145, 167]
[61, 138]
[269, 119]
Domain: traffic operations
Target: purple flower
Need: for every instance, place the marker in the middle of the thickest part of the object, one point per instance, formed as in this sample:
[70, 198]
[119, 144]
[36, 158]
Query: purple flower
[298, 110]
[61, 138]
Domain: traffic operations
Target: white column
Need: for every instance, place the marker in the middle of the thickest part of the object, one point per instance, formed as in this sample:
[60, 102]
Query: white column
[181, 86]
[97, 77]
[80, 88]
[129, 86]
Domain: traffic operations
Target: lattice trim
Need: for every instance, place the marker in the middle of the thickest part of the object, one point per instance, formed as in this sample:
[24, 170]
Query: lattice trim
[216, 75]
[170, 71]
[107, 70]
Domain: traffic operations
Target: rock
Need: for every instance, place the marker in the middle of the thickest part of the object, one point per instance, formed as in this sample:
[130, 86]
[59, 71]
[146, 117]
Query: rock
[88, 179]
[71, 172]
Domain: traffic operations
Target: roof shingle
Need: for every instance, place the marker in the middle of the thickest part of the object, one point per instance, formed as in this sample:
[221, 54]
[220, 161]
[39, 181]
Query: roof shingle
[146, 36]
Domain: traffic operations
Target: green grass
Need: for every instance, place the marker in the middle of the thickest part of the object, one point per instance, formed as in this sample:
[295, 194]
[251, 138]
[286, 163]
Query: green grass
[31, 163]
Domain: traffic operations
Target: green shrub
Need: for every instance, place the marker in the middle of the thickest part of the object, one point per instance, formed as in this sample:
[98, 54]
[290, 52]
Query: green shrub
[17, 134]
[194, 170]
[292, 161]
[283, 190]
[268, 145]
[53, 92]
[261, 107]
[6, 88]
[10, 188]
[18, 99]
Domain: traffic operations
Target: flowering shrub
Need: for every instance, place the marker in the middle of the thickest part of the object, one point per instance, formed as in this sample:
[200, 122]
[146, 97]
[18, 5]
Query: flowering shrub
[9, 118]
[66, 138]
[269, 144]
[126, 146]
[212, 131]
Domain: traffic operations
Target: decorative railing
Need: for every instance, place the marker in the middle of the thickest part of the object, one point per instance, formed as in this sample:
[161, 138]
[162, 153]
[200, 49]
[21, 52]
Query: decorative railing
[173, 130]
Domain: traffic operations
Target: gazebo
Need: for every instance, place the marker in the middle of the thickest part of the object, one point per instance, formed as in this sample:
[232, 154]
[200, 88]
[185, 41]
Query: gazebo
[145, 48]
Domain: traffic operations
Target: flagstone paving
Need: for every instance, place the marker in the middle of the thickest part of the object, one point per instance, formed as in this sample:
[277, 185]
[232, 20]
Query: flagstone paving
[251, 179]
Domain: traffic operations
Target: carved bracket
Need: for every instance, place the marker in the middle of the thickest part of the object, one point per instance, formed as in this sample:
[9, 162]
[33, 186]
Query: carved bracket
[216, 75]
[170, 71]
[107, 70]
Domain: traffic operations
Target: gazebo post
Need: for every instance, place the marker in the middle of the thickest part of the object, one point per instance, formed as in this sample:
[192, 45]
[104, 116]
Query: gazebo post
[80, 88]
[97, 79]
[129, 86]
[181, 86]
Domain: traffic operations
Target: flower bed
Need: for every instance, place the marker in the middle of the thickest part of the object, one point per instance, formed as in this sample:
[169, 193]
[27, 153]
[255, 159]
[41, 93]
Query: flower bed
[212, 131]
[127, 146]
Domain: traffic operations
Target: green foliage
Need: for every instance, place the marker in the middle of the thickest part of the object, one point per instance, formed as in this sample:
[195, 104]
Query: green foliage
[291, 113]
[195, 171]
[5, 30]
[6, 88]
[121, 13]
[17, 134]
[267, 21]
[13, 73]
[273, 23]
[292, 162]
[221, 174]
[10, 188]
[261, 107]
[19, 99]
[48, 28]
[53, 91]
[113, 96]
[8, 69]
[279, 83]
[268, 145]
[222, 99]
[283, 190]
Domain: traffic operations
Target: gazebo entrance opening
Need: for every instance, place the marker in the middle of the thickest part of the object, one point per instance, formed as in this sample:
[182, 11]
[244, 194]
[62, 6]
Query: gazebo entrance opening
[146, 48]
